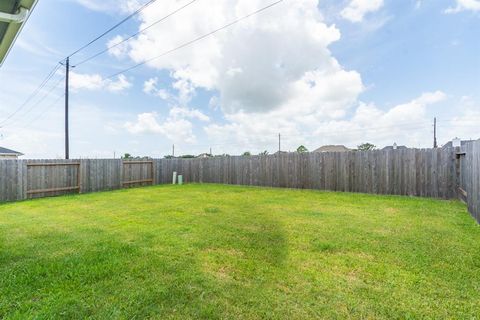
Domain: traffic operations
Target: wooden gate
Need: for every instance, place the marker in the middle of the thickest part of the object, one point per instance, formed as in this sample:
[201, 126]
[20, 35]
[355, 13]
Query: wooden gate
[137, 172]
[52, 180]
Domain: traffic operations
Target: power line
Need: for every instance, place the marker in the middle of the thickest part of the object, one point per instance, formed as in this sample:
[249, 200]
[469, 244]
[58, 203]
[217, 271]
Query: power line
[273, 140]
[37, 102]
[195, 40]
[113, 28]
[67, 66]
[460, 126]
[413, 125]
[460, 120]
[270, 140]
[136, 34]
[44, 111]
[291, 137]
[118, 73]
[32, 95]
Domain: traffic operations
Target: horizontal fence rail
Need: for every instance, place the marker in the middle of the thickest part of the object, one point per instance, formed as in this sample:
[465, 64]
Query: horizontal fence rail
[437, 173]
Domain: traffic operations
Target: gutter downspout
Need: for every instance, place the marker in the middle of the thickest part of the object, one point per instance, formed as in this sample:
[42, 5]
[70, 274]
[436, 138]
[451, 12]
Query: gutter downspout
[19, 17]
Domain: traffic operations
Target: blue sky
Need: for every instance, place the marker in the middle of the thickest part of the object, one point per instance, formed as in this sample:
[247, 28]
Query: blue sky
[318, 72]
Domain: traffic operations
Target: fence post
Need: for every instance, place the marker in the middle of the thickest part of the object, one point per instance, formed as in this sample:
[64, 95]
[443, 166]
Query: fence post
[459, 191]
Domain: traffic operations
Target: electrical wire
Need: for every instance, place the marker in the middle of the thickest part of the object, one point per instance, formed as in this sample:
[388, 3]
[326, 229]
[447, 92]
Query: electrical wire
[44, 111]
[32, 95]
[414, 125]
[425, 125]
[460, 120]
[135, 34]
[293, 138]
[114, 27]
[57, 66]
[195, 40]
[461, 126]
[47, 93]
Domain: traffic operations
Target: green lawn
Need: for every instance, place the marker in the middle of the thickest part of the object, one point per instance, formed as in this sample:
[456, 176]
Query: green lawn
[211, 251]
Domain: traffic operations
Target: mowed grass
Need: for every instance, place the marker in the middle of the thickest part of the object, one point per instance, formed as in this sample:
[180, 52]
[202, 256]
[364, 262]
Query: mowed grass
[228, 252]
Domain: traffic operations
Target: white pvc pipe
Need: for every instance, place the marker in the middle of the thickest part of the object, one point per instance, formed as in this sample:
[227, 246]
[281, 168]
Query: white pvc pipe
[15, 18]
[174, 177]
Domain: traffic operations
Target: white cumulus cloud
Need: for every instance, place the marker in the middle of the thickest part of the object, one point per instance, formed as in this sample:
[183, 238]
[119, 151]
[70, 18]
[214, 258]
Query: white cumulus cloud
[465, 124]
[272, 73]
[80, 81]
[463, 5]
[110, 6]
[264, 63]
[177, 126]
[179, 112]
[315, 128]
[177, 130]
[117, 47]
[357, 9]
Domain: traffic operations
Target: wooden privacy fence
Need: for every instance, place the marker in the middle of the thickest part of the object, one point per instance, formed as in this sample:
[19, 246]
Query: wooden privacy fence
[24, 179]
[426, 173]
[468, 177]
[437, 173]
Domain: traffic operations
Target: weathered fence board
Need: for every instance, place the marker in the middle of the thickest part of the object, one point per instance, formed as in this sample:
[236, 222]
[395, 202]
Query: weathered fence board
[12, 181]
[468, 157]
[100, 174]
[437, 173]
[474, 198]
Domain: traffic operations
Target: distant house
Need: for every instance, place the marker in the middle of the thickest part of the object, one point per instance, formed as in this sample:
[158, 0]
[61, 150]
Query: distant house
[13, 15]
[394, 147]
[204, 155]
[333, 148]
[9, 154]
[456, 143]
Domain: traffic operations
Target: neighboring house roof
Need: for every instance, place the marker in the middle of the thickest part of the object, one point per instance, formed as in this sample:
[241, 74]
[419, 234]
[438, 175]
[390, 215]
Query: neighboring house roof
[5, 151]
[10, 29]
[398, 148]
[449, 144]
[204, 155]
[332, 148]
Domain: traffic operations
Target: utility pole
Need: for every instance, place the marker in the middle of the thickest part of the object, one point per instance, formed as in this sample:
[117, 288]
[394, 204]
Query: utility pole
[279, 143]
[67, 146]
[210, 150]
[435, 145]
[173, 151]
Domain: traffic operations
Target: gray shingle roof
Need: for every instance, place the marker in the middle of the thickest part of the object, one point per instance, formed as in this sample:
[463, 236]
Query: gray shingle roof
[332, 148]
[8, 151]
[398, 148]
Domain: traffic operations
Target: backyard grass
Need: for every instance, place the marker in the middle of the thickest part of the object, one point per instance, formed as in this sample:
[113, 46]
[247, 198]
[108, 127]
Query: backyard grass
[212, 251]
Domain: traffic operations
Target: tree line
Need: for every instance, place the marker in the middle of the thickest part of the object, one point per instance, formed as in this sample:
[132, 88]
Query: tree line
[301, 149]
